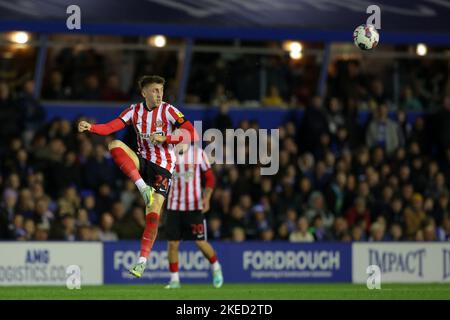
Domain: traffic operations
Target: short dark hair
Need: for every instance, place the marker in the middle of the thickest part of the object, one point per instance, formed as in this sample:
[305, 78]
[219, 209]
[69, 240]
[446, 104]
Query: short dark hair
[145, 80]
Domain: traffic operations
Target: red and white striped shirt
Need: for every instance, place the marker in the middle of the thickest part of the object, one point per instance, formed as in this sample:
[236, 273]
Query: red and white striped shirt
[186, 190]
[161, 120]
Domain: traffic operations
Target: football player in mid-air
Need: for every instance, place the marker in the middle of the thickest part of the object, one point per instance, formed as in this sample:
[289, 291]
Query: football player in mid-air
[154, 122]
[187, 203]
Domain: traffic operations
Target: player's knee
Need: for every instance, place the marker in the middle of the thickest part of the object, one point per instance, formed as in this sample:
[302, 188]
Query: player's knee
[158, 201]
[115, 144]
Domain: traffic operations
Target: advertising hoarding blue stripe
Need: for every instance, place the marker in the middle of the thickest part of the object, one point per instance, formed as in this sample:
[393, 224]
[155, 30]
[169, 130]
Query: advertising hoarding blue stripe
[241, 262]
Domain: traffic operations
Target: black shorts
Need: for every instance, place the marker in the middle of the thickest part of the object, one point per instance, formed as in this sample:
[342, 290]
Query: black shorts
[185, 225]
[156, 176]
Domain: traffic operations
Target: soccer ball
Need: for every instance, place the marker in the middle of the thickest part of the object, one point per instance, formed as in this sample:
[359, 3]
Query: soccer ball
[366, 37]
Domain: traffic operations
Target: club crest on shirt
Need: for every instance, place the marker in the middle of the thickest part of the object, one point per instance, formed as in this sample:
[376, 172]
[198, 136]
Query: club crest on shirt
[159, 124]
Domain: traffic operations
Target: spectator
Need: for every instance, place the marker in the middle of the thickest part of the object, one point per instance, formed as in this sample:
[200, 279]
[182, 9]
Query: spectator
[420, 135]
[305, 190]
[106, 228]
[443, 231]
[273, 98]
[84, 233]
[290, 219]
[442, 125]
[215, 231]
[8, 208]
[302, 233]
[317, 207]
[89, 207]
[377, 232]
[42, 213]
[238, 234]
[66, 230]
[128, 195]
[357, 212]
[437, 187]
[410, 102]
[318, 230]
[336, 193]
[9, 114]
[223, 120]
[306, 164]
[441, 208]
[137, 223]
[339, 229]
[99, 168]
[429, 231]
[261, 223]
[222, 96]
[42, 232]
[335, 116]
[383, 132]
[112, 91]
[358, 233]
[69, 202]
[26, 203]
[91, 89]
[30, 228]
[124, 226]
[313, 124]
[382, 204]
[54, 89]
[104, 198]
[414, 216]
[395, 211]
[404, 126]
[266, 234]
[377, 95]
[236, 218]
[396, 232]
[32, 113]
[82, 218]
[282, 232]
[16, 229]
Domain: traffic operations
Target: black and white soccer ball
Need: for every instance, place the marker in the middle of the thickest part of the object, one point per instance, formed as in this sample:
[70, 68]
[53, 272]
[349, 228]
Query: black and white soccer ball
[366, 37]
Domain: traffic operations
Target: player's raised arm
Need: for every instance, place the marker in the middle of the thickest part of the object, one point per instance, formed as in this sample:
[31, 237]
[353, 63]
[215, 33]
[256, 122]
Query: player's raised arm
[102, 129]
[110, 127]
[84, 126]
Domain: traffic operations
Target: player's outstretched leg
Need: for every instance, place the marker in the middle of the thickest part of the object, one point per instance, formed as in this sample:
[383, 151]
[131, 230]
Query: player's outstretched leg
[149, 235]
[128, 162]
[172, 252]
[209, 254]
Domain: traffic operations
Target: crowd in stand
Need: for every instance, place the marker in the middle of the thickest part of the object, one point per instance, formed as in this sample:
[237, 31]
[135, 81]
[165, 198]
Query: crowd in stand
[87, 75]
[340, 179]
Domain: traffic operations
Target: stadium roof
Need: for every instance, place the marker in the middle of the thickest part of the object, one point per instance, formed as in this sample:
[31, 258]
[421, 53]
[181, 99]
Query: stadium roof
[402, 21]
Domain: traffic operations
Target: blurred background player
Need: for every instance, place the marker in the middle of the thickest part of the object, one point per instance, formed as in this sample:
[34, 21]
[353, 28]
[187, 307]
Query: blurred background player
[154, 122]
[187, 204]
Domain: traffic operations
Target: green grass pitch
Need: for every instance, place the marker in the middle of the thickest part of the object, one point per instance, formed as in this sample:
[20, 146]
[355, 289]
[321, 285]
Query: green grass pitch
[263, 291]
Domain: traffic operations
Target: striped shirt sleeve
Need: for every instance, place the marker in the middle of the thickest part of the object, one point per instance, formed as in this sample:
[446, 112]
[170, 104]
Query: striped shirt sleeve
[174, 116]
[127, 114]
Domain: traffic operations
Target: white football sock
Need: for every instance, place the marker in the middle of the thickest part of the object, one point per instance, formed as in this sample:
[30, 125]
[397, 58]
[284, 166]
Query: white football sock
[140, 184]
[216, 266]
[174, 277]
[142, 260]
